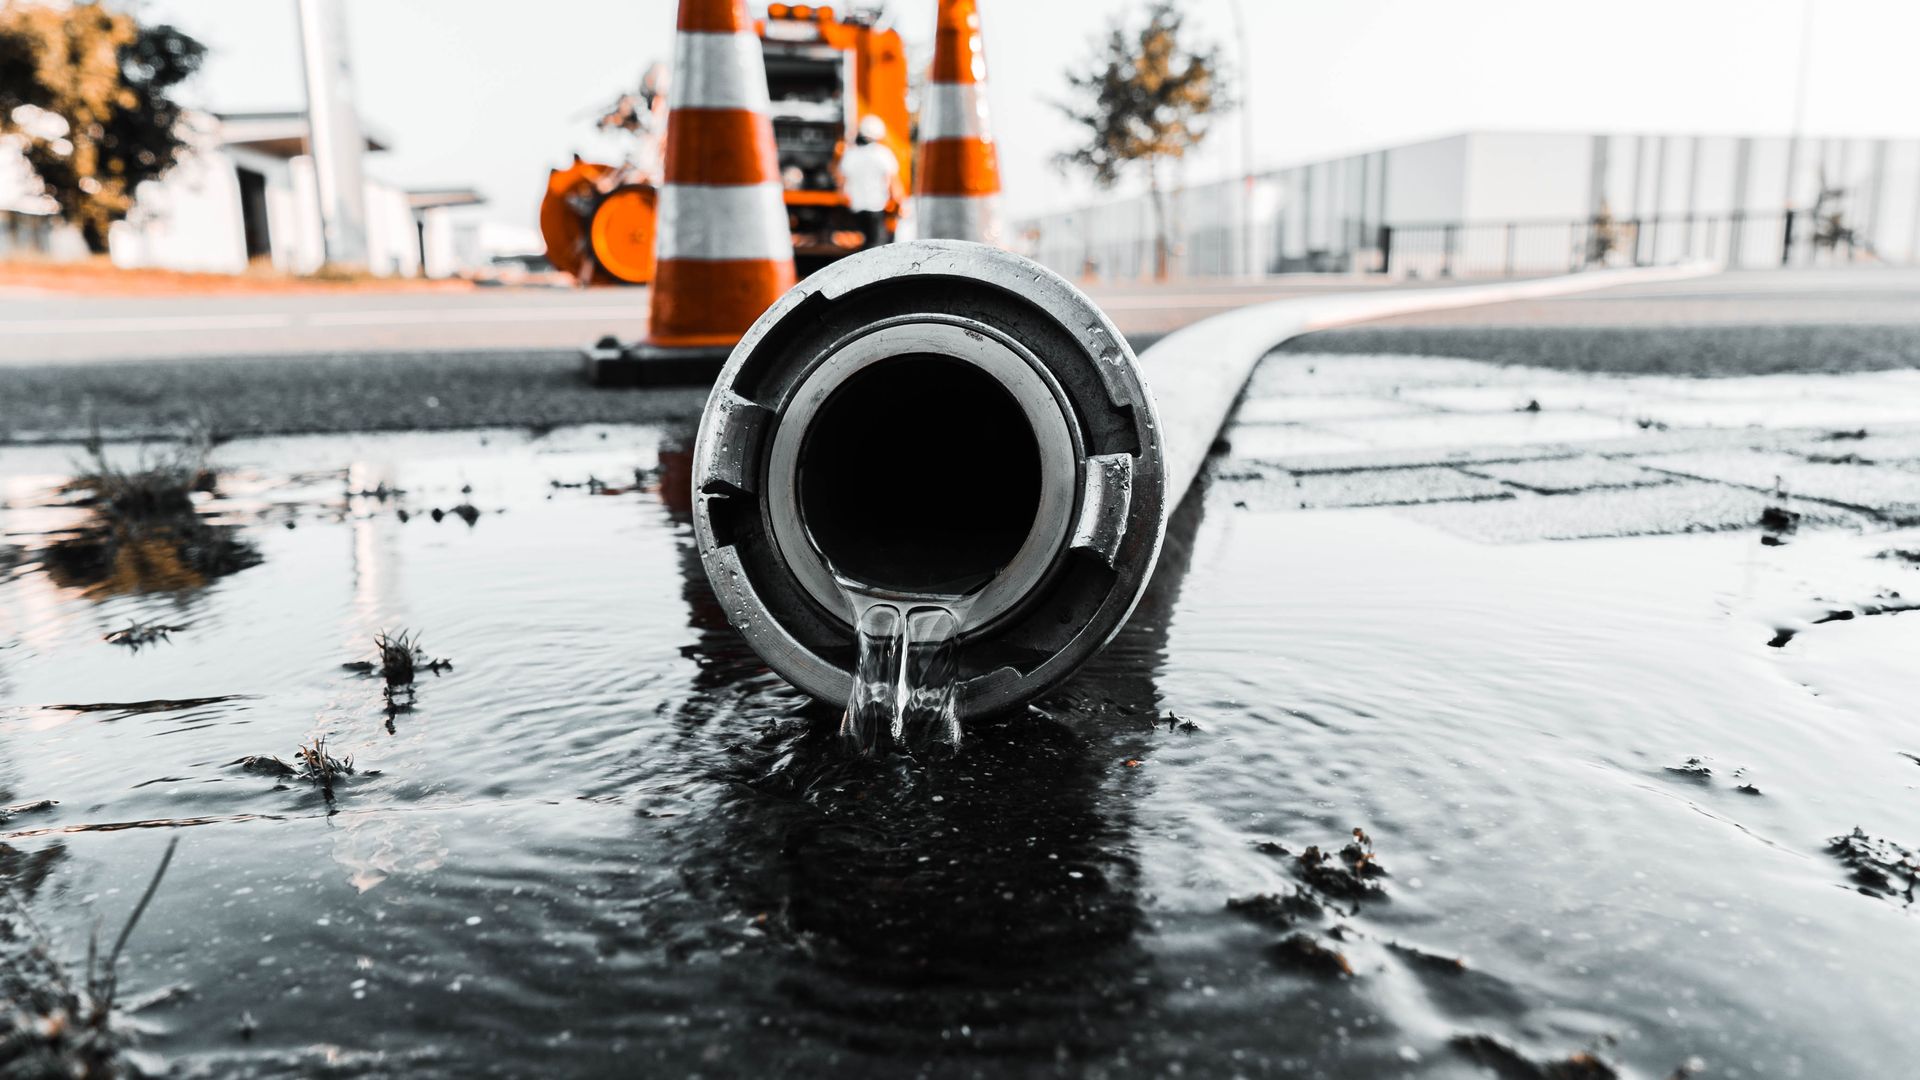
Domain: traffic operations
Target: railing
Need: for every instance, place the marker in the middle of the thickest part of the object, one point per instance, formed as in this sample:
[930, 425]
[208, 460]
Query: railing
[1512, 248]
[1123, 249]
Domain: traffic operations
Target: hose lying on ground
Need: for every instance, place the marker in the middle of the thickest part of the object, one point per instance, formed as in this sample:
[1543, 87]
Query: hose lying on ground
[935, 416]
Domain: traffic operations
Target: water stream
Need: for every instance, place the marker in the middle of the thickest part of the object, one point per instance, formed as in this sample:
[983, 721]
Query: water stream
[907, 671]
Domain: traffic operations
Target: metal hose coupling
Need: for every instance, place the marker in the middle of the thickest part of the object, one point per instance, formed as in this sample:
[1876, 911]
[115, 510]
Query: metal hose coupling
[923, 418]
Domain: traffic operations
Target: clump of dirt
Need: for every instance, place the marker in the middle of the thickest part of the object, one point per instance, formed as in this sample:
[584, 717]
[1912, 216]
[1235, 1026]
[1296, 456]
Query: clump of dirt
[7, 813]
[1351, 875]
[266, 765]
[320, 768]
[402, 658]
[1276, 910]
[1693, 769]
[1303, 953]
[1430, 961]
[1509, 1063]
[139, 635]
[1880, 867]
[1885, 602]
[593, 485]
[1905, 555]
[1776, 524]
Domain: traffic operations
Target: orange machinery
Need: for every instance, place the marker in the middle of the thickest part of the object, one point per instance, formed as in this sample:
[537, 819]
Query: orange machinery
[824, 74]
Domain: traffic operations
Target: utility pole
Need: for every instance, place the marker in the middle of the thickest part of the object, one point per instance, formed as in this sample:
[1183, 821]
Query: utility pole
[1246, 138]
[1800, 96]
[333, 132]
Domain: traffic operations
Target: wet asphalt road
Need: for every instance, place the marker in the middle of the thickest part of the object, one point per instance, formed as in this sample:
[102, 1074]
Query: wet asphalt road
[1748, 323]
[427, 361]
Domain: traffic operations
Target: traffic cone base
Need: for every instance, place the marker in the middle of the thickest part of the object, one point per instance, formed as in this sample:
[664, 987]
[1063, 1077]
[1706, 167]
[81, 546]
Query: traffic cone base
[974, 216]
[699, 297]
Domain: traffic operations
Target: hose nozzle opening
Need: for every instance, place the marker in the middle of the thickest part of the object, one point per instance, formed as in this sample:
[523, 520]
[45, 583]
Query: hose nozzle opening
[931, 419]
[919, 474]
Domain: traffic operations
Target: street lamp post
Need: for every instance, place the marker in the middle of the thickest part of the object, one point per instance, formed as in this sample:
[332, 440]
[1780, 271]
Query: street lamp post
[1246, 138]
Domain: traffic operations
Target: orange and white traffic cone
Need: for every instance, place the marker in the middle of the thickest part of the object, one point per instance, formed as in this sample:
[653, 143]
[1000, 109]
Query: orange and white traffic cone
[957, 187]
[725, 252]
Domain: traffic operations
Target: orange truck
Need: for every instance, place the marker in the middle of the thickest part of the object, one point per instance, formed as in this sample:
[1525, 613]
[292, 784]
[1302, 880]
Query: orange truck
[825, 73]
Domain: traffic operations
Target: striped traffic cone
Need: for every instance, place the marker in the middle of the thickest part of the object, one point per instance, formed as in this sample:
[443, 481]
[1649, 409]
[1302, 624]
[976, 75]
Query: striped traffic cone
[724, 249]
[957, 187]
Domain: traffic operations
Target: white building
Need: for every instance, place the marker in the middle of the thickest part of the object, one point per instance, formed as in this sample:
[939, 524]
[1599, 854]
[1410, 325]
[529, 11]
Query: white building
[1494, 202]
[243, 193]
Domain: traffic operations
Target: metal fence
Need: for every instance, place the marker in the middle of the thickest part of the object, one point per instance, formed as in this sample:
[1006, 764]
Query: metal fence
[1119, 248]
[1479, 249]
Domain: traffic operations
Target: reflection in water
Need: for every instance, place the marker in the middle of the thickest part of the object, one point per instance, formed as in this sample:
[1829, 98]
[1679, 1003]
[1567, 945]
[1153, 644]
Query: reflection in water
[979, 904]
[112, 556]
[612, 843]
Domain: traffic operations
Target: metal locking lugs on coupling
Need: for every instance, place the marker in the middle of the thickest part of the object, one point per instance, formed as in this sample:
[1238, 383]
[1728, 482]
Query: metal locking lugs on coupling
[929, 417]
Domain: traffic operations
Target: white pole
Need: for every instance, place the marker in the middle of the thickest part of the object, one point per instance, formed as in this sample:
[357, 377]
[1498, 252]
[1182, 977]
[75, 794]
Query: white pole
[1246, 139]
[334, 136]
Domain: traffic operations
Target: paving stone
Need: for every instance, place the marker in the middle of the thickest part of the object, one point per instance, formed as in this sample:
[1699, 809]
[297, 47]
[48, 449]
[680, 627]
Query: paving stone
[1893, 447]
[1610, 397]
[1289, 409]
[1266, 442]
[1376, 376]
[1888, 492]
[1824, 412]
[1389, 487]
[1309, 462]
[1670, 508]
[1559, 476]
[1481, 429]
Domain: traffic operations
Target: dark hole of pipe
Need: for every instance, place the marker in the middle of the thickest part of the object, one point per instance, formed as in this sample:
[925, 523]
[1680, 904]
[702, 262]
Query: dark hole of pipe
[919, 474]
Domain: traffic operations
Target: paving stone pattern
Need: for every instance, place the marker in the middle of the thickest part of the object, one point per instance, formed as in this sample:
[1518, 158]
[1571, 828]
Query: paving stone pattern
[1506, 454]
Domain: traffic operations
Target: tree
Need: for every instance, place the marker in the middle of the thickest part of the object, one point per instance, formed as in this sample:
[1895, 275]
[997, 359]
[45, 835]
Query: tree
[87, 95]
[1144, 96]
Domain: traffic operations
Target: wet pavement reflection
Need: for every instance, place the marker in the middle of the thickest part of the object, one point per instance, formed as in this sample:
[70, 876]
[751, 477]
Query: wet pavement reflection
[1603, 828]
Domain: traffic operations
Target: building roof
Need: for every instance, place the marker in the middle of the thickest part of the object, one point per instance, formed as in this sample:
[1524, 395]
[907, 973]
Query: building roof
[435, 198]
[282, 134]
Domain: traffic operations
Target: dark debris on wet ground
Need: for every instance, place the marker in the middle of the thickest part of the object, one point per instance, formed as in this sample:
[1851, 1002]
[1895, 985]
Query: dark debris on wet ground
[609, 841]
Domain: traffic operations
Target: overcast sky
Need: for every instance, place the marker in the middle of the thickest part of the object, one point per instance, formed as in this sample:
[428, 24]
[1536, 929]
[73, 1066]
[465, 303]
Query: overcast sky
[492, 93]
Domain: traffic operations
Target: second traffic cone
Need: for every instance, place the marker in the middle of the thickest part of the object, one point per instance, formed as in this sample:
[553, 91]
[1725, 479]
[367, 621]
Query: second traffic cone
[724, 250]
[957, 187]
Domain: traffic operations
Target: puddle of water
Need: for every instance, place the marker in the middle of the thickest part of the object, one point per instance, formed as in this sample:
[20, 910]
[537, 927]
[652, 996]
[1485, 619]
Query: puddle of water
[608, 840]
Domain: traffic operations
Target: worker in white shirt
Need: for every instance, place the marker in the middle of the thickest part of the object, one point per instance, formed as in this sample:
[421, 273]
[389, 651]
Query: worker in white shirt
[870, 175]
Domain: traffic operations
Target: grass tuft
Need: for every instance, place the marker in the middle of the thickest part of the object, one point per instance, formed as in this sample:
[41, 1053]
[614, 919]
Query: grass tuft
[402, 659]
[52, 1024]
[320, 768]
[151, 488]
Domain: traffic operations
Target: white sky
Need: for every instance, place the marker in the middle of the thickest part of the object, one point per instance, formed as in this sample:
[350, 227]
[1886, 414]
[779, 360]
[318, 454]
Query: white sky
[492, 93]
